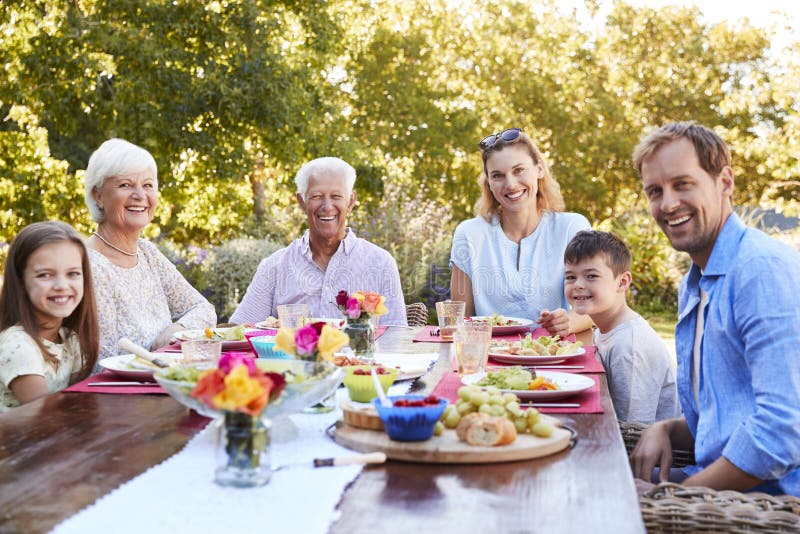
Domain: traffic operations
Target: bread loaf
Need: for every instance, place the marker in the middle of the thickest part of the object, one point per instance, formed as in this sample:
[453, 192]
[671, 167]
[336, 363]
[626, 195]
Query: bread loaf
[489, 431]
[466, 421]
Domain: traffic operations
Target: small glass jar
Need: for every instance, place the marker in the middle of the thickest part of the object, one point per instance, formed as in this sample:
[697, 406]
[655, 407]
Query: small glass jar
[242, 451]
[362, 337]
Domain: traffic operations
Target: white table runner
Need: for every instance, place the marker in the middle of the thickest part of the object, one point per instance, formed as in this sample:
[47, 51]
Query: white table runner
[179, 495]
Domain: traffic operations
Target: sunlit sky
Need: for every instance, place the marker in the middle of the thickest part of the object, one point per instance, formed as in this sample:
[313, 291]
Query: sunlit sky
[778, 15]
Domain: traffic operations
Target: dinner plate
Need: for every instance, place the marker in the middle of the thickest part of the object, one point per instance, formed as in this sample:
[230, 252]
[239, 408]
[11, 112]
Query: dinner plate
[532, 359]
[408, 365]
[268, 325]
[568, 384]
[122, 366]
[522, 326]
[226, 345]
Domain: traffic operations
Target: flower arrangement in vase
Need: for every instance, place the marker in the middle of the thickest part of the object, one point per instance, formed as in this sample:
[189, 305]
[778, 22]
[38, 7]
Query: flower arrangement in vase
[239, 389]
[358, 309]
[316, 342]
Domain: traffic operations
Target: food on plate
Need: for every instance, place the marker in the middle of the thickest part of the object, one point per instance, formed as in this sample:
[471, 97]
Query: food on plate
[344, 361]
[270, 322]
[542, 346]
[181, 373]
[490, 402]
[378, 371]
[517, 378]
[487, 431]
[138, 362]
[235, 333]
[494, 320]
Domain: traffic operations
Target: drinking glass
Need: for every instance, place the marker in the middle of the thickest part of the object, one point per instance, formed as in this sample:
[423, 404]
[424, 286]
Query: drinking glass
[472, 347]
[451, 315]
[292, 315]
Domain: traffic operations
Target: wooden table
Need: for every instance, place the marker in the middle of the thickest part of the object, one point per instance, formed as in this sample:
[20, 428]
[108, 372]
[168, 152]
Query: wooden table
[62, 452]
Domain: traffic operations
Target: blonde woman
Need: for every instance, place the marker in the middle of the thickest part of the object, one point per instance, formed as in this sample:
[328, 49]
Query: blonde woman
[510, 258]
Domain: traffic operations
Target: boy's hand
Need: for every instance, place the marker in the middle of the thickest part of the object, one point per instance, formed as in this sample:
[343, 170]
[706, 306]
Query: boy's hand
[556, 322]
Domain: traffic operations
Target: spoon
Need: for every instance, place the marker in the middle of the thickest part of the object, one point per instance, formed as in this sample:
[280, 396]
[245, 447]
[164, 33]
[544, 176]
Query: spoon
[385, 402]
[128, 345]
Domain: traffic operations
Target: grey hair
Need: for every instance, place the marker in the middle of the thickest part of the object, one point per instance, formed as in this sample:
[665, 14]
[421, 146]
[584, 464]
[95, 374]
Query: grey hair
[115, 157]
[321, 166]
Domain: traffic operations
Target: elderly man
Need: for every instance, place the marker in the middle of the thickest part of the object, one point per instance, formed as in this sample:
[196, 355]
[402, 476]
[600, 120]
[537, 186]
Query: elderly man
[327, 258]
[738, 326]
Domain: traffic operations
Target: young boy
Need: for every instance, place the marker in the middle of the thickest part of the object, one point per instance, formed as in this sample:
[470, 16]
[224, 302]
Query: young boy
[639, 369]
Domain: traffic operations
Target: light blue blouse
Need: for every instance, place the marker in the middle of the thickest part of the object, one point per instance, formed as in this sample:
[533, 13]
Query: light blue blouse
[489, 259]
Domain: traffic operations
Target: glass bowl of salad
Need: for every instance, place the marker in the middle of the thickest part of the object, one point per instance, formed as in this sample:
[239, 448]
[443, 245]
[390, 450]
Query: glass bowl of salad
[307, 383]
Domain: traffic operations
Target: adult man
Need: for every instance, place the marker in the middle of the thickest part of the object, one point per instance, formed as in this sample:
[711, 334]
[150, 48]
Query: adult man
[327, 258]
[738, 325]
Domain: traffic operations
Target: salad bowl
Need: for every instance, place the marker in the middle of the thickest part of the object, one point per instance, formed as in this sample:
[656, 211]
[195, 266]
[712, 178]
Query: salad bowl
[307, 384]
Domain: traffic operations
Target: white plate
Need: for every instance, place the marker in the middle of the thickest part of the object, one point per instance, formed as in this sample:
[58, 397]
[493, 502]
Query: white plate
[409, 365]
[532, 359]
[226, 345]
[263, 325]
[331, 321]
[523, 326]
[568, 383]
[121, 365]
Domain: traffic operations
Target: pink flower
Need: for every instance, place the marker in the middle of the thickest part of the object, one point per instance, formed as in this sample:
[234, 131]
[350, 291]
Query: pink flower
[353, 309]
[305, 339]
[229, 360]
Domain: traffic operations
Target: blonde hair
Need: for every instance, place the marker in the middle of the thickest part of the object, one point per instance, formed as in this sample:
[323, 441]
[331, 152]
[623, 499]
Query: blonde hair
[548, 194]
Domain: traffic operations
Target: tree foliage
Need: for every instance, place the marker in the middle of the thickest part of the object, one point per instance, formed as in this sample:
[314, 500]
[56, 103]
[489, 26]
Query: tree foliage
[231, 96]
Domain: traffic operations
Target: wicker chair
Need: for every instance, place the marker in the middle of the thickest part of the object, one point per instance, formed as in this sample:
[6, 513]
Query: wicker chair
[417, 314]
[672, 507]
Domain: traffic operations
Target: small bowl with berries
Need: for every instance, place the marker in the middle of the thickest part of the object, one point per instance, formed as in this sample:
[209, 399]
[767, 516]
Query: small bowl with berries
[410, 417]
[359, 384]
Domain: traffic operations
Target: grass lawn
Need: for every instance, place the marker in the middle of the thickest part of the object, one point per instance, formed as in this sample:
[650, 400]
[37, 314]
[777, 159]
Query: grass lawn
[664, 325]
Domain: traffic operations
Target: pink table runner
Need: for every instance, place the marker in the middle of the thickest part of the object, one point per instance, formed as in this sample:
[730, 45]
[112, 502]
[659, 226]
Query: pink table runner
[588, 361]
[589, 400]
[108, 376]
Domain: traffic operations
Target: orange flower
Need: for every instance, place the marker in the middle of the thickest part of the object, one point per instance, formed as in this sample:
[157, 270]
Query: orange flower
[209, 384]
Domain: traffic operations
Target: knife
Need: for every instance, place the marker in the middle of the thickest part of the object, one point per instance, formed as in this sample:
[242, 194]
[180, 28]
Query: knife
[354, 459]
[133, 348]
[549, 405]
[112, 384]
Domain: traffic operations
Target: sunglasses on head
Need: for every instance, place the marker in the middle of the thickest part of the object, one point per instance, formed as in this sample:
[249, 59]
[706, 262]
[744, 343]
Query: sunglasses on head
[506, 135]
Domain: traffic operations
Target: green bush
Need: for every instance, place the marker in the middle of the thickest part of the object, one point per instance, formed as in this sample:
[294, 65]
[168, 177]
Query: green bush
[223, 273]
[656, 267]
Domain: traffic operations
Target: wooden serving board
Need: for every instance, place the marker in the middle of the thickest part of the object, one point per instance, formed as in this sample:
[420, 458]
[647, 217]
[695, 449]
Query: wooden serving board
[447, 449]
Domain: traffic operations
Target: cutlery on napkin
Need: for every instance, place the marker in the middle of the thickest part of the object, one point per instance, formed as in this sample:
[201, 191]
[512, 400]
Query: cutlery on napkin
[549, 405]
[353, 459]
[112, 384]
[128, 345]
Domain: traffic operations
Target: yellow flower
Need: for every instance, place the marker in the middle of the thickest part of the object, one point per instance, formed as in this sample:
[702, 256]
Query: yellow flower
[330, 340]
[285, 340]
[240, 390]
[381, 308]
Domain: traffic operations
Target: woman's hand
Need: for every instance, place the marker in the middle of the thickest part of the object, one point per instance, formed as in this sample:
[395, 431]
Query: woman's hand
[165, 336]
[556, 322]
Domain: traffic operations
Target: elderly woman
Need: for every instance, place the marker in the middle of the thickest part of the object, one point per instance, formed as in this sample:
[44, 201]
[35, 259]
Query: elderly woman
[140, 294]
[327, 258]
[510, 259]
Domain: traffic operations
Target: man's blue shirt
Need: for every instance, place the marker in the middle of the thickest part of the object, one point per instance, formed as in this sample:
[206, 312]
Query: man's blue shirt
[749, 397]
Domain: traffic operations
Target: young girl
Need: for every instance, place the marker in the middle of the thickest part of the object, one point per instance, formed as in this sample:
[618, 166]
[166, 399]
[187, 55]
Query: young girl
[48, 318]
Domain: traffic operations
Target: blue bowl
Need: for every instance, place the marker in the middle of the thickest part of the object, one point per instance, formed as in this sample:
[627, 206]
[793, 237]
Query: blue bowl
[409, 423]
[265, 348]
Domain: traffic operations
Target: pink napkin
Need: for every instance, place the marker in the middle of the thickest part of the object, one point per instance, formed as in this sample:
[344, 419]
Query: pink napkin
[108, 376]
[588, 361]
[589, 400]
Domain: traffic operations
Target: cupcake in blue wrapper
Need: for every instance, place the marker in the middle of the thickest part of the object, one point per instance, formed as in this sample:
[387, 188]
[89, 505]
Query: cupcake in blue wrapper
[412, 422]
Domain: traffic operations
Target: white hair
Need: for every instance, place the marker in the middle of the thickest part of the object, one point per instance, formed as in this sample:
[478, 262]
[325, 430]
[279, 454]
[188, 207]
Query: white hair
[325, 165]
[115, 157]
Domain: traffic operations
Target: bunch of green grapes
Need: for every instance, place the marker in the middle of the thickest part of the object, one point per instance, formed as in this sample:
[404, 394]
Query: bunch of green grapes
[490, 401]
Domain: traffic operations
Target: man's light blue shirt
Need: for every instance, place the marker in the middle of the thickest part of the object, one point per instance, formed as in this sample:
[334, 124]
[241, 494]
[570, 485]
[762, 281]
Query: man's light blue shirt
[749, 396]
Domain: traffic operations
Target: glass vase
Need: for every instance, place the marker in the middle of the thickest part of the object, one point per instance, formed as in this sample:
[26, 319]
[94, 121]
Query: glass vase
[362, 337]
[242, 451]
